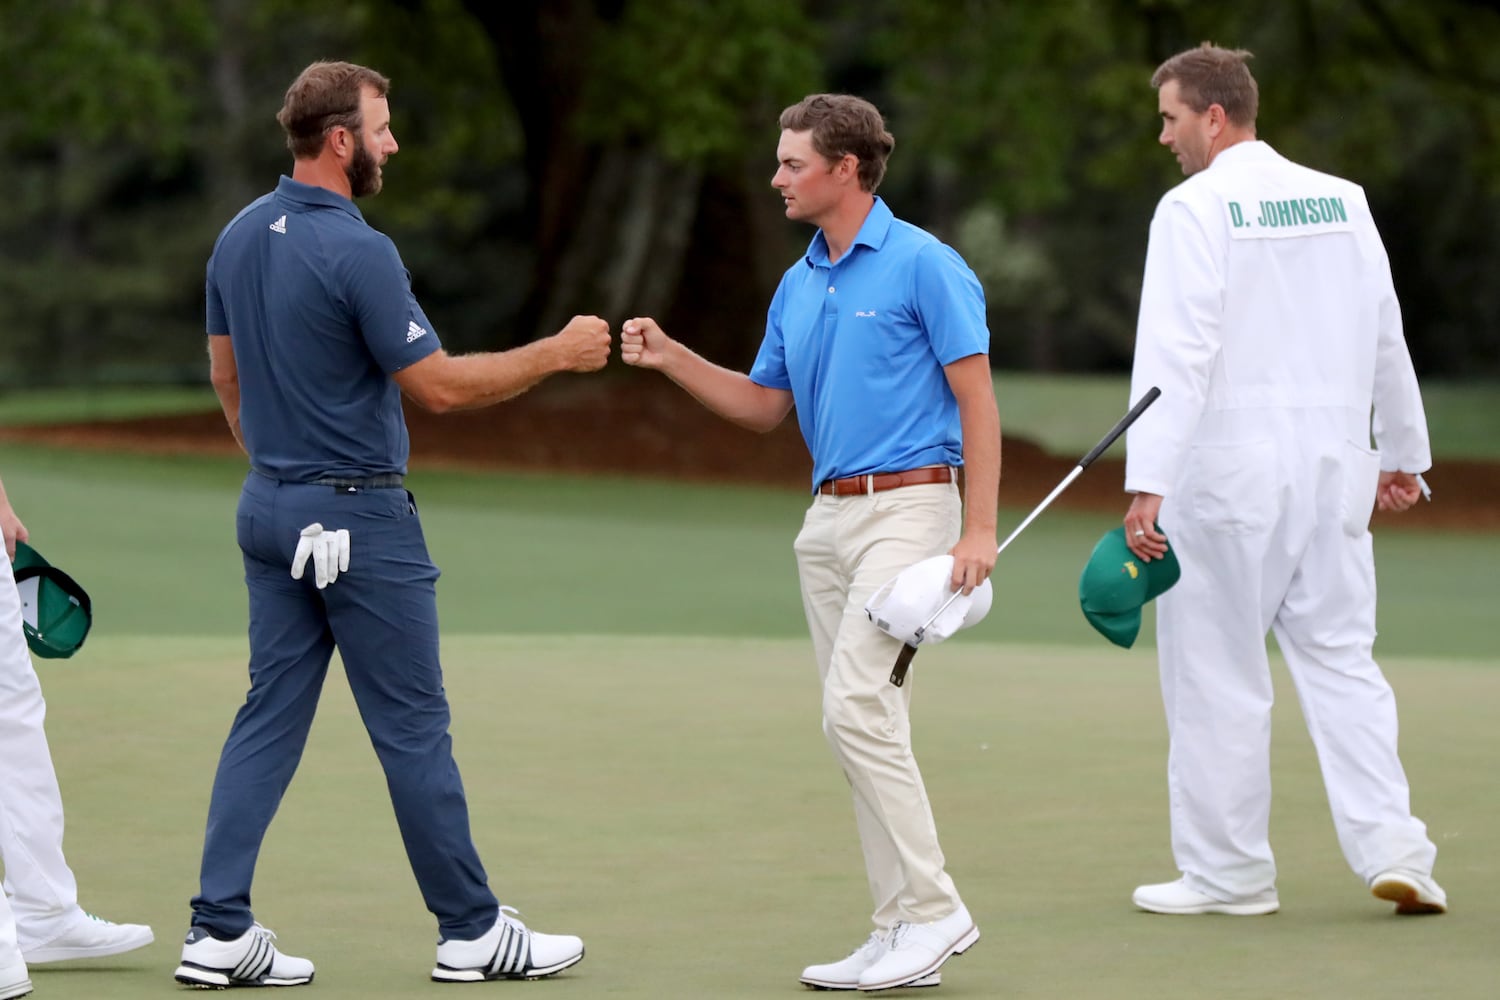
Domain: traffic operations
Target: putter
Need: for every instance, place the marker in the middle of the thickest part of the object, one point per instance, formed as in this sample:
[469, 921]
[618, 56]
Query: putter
[909, 650]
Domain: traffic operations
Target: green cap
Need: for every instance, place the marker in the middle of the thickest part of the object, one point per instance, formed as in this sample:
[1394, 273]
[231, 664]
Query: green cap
[1115, 585]
[55, 611]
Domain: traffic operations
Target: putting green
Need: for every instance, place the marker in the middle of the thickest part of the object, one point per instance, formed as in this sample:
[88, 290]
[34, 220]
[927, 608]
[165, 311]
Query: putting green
[672, 801]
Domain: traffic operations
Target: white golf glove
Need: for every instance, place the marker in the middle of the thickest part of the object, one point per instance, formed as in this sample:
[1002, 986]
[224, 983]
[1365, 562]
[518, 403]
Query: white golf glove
[329, 551]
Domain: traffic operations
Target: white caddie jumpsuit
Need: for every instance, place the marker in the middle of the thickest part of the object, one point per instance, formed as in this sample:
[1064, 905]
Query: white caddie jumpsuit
[1270, 322]
[41, 888]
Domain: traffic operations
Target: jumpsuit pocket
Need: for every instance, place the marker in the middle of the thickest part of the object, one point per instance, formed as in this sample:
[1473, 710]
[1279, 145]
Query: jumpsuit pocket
[1231, 488]
[1361, 480]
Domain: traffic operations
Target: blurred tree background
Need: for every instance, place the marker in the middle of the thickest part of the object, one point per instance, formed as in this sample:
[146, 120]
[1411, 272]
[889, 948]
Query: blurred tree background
[613, 157]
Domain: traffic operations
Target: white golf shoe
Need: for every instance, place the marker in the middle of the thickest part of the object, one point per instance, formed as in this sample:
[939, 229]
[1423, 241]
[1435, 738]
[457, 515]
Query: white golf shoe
[916, 951]
[248, 960]
[15, 981]
[1178, 899]
[1413, 893]
[508, 950]
[81, 935]
[844, 975]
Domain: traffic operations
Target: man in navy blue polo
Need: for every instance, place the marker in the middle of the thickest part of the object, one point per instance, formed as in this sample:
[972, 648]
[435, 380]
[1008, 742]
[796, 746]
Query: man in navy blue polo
[314, 335]
[878, 336]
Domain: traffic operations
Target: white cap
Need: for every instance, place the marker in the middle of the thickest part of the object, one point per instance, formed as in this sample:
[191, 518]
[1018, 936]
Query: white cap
[909, 598]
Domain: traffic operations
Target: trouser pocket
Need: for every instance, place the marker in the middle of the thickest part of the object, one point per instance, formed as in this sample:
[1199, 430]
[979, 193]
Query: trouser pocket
[1232, 489]
[1361, 472]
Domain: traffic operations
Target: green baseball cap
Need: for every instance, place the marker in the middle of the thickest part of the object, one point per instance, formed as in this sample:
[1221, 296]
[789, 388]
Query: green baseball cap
[1115, 585]
[55, 611]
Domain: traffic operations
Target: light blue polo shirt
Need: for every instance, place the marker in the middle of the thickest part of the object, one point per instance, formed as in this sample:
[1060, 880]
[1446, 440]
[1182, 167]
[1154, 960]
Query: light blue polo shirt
[319, 309]
[862, 343]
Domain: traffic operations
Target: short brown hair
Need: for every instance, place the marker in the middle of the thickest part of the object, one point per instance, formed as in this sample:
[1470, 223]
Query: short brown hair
[842, 124]
[1210, 75]
[325, 96]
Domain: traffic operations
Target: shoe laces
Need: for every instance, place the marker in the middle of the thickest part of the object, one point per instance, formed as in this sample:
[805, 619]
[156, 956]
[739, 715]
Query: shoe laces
[873, 941]
[897, 934]
[261, 930]
[512, 916]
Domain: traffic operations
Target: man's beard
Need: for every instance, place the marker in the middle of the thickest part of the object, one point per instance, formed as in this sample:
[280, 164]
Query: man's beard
[363, 172]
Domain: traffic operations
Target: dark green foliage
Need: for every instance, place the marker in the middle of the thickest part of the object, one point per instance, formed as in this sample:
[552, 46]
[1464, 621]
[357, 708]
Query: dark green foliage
[612, 156]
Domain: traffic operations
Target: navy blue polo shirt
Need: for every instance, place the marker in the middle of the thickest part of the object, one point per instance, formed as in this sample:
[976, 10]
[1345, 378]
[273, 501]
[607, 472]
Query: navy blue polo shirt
[319, 309]
[861, 344]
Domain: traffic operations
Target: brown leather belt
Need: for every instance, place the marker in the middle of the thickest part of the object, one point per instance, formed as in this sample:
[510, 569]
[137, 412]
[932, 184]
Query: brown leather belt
[878, 482]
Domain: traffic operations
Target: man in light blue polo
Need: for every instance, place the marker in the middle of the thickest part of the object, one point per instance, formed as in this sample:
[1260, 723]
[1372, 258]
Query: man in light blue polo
[314, 335]
[878, 337]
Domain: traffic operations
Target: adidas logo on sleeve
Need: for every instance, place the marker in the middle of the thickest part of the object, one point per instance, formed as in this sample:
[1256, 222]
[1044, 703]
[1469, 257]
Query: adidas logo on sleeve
[413, 331]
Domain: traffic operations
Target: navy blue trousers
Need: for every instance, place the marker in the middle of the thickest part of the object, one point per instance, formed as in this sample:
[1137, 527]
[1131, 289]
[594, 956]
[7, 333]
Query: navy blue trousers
[382, 616]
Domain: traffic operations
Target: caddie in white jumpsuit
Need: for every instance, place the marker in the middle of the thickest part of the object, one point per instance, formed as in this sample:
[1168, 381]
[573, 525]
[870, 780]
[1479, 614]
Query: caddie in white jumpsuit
[41, 892]
[1270, 323]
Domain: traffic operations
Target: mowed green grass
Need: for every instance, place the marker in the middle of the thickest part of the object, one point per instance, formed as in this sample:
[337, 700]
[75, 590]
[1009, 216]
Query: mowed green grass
[637, 720]
[1064, 414]
[152, 539]
[671, 800]
[1067, 414]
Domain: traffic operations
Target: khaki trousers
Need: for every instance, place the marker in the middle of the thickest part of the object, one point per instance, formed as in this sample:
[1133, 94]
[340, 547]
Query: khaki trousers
[847, 548]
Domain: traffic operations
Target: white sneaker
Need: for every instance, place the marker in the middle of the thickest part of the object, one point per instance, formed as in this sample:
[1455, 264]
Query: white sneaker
[14, 980]
[248, 960]
[844, 975]
[1413, 893]
[508, 950]
[1177, 898]
[85, 936]
[916, 951]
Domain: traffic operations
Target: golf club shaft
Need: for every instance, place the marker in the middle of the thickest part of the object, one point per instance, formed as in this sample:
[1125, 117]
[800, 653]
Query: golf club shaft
[1077, 471]
[909, 650]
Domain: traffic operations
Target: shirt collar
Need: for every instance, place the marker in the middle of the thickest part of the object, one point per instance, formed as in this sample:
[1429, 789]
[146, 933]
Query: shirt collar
[1248, 151]
[872, 233]
[312, 194]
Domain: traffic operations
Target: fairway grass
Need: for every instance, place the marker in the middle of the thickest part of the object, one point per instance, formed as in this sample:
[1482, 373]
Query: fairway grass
[672, 801]
[152, 539]
[1067, 413]
[1063, 413]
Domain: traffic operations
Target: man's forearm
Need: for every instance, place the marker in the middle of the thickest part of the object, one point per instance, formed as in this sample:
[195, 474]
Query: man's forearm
[229, 400]
[979, 419]
[981, 470]
[473, 381]
[11, 527]
[730, 394]
[224, 376]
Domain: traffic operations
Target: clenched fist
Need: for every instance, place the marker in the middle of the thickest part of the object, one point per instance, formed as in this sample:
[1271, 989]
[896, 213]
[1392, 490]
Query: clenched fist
[583, 344]
[642, 343]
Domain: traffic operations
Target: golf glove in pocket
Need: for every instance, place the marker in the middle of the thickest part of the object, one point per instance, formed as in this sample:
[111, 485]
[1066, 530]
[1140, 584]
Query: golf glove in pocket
[329, 551]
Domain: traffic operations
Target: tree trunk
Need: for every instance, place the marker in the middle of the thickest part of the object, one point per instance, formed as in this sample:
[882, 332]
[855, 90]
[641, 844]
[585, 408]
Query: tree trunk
[233, 186]
[617, 230]
[624, 251]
